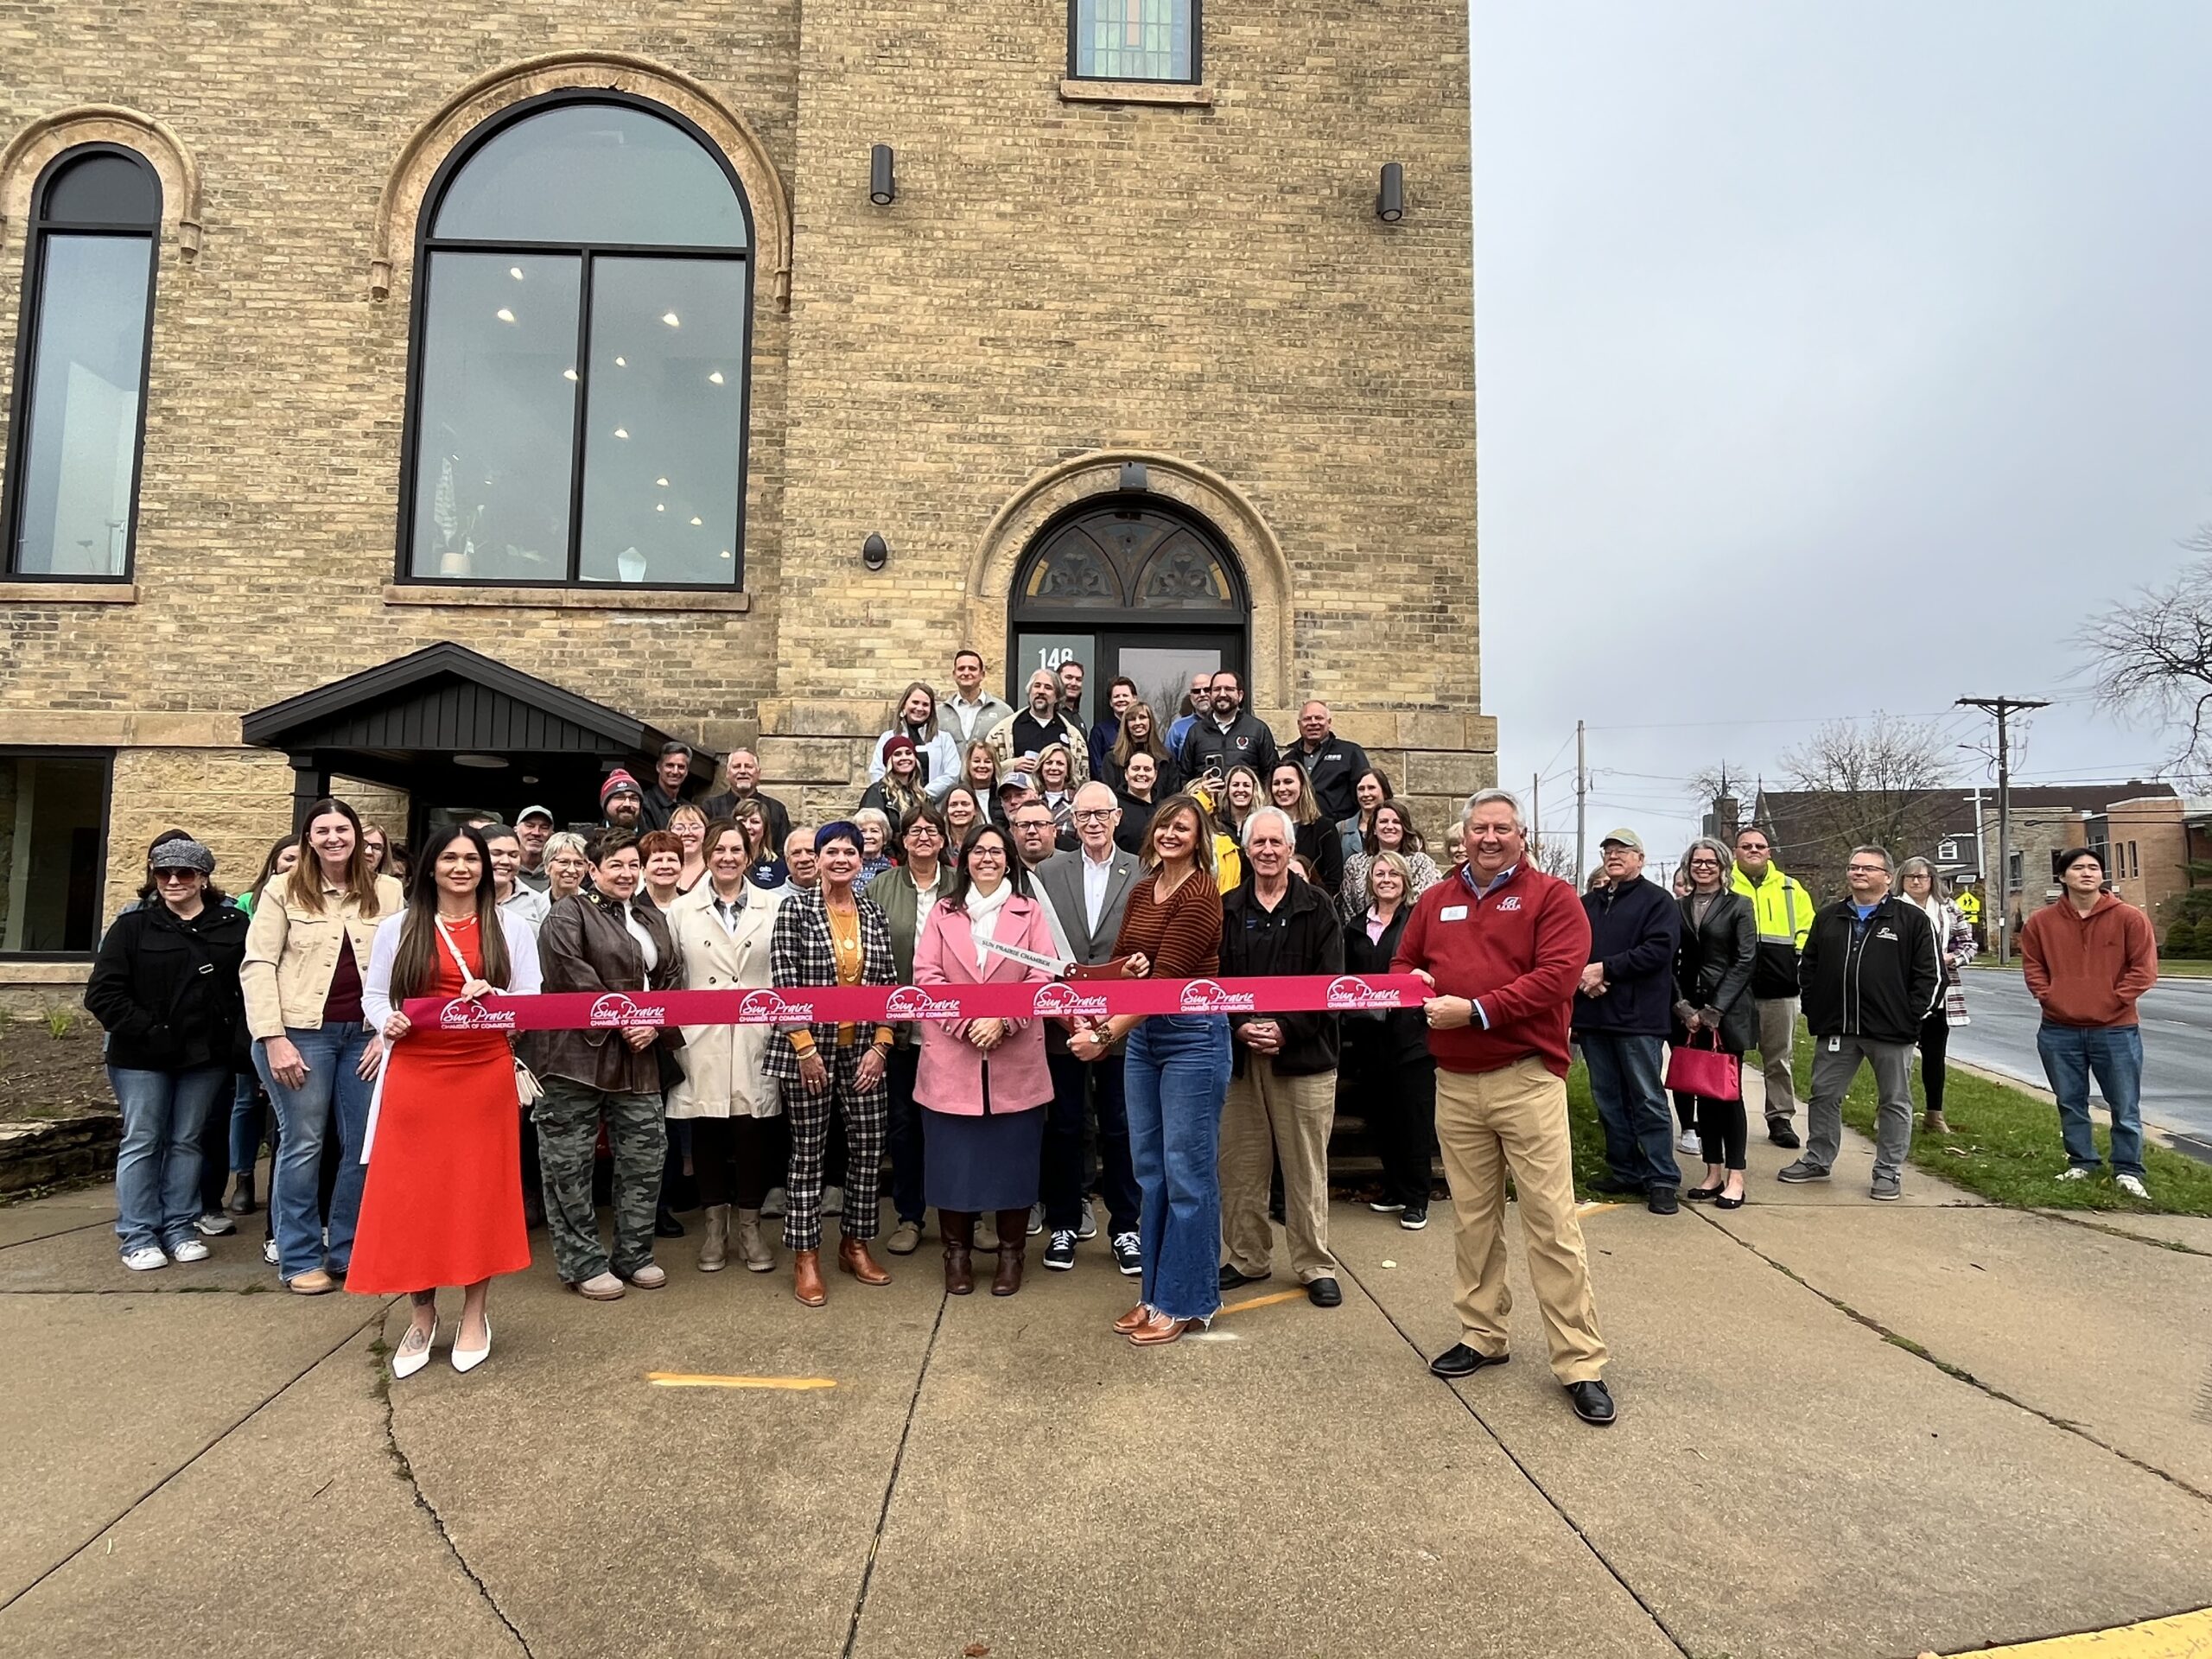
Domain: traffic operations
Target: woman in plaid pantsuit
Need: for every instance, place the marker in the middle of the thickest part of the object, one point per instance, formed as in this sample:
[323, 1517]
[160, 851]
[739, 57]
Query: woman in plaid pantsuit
[830, 935]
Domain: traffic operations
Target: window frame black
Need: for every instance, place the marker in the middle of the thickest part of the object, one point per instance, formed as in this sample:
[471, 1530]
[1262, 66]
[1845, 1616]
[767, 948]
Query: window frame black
[30, 314]
[100, 921]
[585, 253]
[1197, 55]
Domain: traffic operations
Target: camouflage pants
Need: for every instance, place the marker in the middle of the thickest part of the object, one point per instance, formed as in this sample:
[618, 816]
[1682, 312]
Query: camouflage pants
[567, 1116]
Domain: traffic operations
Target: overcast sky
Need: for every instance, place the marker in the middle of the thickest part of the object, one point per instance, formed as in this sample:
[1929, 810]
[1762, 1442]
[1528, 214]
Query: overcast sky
[1829, 358]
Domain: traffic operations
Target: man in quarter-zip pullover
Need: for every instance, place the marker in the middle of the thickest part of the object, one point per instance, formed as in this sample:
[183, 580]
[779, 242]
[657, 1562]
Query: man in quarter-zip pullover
[1868, 975]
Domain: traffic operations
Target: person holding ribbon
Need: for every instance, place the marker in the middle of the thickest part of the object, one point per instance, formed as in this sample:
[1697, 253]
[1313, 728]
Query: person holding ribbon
[1175, 1074]
[984, 1081]
[442, 1203]
[831, 935]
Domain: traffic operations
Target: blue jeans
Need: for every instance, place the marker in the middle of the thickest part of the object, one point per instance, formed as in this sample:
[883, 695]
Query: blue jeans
[1174, 1078]
[2069, 1054]
[333, 1088]
[248, 1116]
[157, 1166]
[1632, 1100]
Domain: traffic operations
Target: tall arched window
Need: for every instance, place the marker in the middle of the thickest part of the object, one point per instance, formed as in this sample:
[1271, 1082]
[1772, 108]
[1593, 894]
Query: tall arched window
[583, 304]
[75, 434]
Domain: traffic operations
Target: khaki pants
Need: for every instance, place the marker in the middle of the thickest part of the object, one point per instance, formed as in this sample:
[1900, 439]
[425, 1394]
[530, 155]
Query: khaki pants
[1778, 1055]
[1290, 1118]
[1515, 1119]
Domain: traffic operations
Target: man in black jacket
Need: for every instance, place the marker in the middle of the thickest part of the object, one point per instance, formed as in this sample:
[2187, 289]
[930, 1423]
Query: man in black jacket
[1229, 734]
[1334, 765]
[1868, 976]
[1282, 1094]
[1623, 1010]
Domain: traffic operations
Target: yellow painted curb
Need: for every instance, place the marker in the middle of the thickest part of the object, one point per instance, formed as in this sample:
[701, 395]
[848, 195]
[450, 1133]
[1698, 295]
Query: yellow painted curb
[2185, 1636]
[696, 1379]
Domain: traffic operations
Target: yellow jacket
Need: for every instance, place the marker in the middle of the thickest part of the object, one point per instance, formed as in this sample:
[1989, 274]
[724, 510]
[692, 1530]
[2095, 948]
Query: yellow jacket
[1783, 911]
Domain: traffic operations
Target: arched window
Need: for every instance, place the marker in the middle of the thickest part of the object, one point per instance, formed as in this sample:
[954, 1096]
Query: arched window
[1133, 40]
[80, 366]
[583, 304]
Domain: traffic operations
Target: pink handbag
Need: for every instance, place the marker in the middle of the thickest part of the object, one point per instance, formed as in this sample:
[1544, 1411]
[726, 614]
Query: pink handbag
[1706, 1072]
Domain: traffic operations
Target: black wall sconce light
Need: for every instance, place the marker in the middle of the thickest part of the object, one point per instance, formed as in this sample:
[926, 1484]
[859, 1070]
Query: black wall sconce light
[875, 552]
[882, 189]
[1134, 476]
[1390, 200]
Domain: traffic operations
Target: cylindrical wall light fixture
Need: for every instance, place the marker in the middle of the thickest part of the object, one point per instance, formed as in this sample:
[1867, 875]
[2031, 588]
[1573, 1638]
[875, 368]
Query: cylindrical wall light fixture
[882, 189]
[1390, 200]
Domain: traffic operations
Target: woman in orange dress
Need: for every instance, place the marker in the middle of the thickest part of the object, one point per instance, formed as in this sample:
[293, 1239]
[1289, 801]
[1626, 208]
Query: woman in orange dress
[443, 1204]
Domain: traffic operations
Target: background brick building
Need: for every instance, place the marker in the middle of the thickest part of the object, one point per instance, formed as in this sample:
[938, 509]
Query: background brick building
[1133, 272]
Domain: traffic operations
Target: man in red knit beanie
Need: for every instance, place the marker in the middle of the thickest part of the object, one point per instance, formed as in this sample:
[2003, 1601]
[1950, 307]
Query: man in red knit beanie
[1503, 945]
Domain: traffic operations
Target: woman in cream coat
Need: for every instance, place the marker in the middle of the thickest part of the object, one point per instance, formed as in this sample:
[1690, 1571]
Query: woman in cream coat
[722, 928]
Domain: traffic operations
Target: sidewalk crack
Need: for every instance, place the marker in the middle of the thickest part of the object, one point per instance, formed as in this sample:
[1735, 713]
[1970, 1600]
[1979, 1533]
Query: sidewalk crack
[1498, 1439]
[891, 1484]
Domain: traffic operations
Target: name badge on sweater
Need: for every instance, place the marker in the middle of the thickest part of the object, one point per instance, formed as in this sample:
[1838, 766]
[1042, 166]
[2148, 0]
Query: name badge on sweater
[1452, 913]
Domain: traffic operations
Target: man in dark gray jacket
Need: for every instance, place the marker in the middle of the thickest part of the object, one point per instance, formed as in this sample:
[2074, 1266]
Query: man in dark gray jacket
[1623, 1011]
[1231, 735]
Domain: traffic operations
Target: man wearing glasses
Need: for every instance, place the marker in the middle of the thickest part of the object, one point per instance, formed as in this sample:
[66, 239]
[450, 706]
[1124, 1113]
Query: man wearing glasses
[1783, 911]
[1868, 976]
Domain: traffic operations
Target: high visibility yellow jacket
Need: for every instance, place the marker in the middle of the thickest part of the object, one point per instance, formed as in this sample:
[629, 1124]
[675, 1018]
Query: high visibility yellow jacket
[1783, 911]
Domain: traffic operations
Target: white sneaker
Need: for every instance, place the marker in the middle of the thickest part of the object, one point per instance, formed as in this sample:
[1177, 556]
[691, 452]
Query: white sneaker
[2073, 1174]
[215, 1224]
[776, 1204]
[268, 1251]
[2132, 1186]
[833, 1200]
[1036, 1219]
[190, 1249]
[1688, 1141]
[146, 1258]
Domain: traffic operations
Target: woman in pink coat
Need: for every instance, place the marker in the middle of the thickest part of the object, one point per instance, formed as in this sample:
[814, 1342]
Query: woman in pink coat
[983, 1082]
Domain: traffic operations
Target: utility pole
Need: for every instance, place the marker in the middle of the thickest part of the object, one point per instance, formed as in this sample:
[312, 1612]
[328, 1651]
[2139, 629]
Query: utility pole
[1537, 817]
[2004, 709]
[1581, 801]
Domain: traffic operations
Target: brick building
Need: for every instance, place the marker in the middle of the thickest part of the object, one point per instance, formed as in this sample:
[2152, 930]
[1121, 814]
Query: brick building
[445, 406]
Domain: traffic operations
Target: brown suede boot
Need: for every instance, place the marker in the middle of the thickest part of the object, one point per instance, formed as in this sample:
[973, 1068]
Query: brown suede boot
[853, 1258]
[958, 1227]
[714, 1248]
[806, 1278]
[1014, 1250]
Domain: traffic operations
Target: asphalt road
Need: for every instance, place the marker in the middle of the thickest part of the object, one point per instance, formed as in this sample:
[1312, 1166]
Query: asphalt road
[2176, 1018]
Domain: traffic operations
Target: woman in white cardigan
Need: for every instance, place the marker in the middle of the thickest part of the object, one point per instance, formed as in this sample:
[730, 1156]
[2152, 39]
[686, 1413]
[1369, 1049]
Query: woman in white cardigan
[914, 717]
[723, 927]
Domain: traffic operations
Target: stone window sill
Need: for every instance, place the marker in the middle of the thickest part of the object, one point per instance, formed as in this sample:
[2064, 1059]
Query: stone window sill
[1173, 93]
[19, 972]
[568, 599]
[68, 593]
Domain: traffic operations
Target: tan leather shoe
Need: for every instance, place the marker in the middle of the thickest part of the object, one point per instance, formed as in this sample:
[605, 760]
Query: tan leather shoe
[1159, 1329]
[1136, 1316]
[806, 1278]
[853, 1258]
[315, 1282]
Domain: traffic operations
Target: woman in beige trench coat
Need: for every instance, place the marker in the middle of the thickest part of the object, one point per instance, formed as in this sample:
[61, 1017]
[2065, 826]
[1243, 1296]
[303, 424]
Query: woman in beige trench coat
[722, 926]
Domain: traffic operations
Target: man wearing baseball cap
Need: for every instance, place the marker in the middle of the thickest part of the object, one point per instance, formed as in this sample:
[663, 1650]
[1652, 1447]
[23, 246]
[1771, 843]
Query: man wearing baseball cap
[1623, 1013]
[621, 802]
[534, 827]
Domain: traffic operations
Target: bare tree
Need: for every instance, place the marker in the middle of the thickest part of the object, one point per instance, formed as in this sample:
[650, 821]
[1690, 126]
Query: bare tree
[2153, 658]
[1554, 855]
[1880, 784]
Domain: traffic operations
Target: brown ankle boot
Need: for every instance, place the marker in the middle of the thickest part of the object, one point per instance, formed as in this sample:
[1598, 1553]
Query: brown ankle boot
[1013, 1249]
[853, 1258]
[959, 1230]
[806, 1278]
[714, 1248]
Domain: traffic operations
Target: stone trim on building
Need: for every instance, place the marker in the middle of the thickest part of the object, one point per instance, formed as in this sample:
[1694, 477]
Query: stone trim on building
[426, 150]
[30, 151]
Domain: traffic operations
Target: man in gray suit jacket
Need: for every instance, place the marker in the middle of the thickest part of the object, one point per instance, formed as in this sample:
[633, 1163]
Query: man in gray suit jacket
[1087, 890]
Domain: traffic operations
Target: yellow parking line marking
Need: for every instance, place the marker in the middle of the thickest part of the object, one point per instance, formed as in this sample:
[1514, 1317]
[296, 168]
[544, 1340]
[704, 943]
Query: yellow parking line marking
[698, 1380]
[2185, 1636]
[1263, 1301]
[1591, 1207]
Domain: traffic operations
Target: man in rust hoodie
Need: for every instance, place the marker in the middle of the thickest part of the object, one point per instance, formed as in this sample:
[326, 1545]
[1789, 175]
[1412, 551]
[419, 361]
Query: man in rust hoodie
[2087, 956]
[1503, 946]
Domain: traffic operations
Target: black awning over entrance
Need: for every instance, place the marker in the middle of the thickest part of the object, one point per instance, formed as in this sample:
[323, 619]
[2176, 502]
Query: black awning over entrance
[459, 733]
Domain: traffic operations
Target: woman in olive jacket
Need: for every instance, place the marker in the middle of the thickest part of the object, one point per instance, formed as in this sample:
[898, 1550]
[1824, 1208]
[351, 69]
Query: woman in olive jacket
[166, 987]
[1713, 1005]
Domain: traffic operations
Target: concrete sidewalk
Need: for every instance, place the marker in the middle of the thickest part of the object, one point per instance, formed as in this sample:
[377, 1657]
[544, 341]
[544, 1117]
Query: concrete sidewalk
[1846, 1429]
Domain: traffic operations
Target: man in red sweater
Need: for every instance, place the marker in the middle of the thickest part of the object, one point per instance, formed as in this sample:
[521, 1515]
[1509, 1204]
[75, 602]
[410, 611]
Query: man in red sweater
[2087, 956]
[1503, 945]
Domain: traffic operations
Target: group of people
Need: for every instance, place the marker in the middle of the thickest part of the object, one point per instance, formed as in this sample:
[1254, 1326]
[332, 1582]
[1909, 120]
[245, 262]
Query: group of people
[408, 1158]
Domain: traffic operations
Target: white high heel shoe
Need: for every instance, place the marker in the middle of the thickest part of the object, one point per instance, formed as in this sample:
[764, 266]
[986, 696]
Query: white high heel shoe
[465, 1360]
[406, 1364]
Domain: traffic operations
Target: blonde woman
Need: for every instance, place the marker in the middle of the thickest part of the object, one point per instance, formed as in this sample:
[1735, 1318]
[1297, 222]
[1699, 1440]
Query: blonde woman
[568, 861]
[937, 752]
[1922, 886]
[687, 822]
[307, 962]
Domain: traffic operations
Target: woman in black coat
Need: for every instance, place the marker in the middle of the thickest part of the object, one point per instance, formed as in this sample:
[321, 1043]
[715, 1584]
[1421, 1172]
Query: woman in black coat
[165, 986]
[1713, 1006]
[1386, 1074]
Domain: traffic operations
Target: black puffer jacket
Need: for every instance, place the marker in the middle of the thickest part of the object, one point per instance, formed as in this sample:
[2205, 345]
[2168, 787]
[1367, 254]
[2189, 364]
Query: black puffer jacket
[167, 990]
[1713, 964]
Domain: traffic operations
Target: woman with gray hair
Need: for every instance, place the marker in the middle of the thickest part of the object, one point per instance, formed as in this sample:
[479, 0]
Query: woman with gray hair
[1920, 885]
[1713, 1005]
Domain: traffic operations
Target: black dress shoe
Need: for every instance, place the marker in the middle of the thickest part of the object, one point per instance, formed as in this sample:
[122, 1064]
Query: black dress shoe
[1459, 1360]
[665, 1225]
[1661, 1201]
[1591, 1402]
[1324, 1292]
[1782, 1136]
[1231, 1278]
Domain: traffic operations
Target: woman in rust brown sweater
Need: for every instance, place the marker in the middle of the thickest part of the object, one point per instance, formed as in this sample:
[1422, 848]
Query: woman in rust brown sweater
[1176, 1074]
